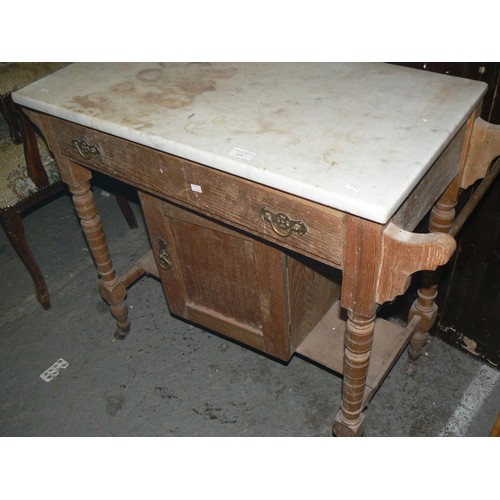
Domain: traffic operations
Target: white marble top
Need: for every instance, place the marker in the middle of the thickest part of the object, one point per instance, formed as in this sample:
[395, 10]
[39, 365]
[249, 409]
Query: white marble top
[357, 137]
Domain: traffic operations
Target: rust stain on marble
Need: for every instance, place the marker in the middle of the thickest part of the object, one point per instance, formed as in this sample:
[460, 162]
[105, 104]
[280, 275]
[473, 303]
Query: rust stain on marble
[219, 119]
[267, 126]
[172, 86]
[280, 127]
[194, 127]
[92, 102]
[330, 157]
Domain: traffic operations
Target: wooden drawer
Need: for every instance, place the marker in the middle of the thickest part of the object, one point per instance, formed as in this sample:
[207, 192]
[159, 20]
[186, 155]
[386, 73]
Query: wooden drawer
[291, 222]
[233, 283]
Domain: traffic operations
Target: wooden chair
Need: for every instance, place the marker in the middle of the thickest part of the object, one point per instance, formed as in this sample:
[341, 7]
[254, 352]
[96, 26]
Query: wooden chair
[28, 173]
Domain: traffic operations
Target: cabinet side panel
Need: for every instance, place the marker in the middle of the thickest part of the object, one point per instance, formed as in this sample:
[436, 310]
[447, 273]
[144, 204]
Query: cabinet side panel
[313, 288]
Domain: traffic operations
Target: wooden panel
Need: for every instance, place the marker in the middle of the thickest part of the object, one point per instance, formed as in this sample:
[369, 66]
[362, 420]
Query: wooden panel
[213, 320]
[362, 258]
[270, 272]
[224, 196]
[215, 267]
[313, 288]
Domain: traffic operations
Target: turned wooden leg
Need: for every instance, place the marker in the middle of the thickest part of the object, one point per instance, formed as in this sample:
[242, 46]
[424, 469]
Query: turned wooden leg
[358, 343]
[13, 225]
[441, 219]
[378, 263]
[112, 289]
[425, 307]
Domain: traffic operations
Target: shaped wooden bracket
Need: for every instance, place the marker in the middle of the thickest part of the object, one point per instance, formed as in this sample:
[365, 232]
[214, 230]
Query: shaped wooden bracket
[404, 253]
[484, 147]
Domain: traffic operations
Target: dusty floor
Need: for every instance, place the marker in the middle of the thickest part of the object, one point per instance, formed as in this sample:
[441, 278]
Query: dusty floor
[170, 378]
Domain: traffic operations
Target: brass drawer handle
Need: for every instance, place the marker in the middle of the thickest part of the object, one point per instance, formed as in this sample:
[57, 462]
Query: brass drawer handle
[282, 224]
[163, 254]
[85, 149]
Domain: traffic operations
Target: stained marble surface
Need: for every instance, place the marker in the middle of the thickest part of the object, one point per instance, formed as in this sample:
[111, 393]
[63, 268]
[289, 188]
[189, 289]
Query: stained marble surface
[353, 136]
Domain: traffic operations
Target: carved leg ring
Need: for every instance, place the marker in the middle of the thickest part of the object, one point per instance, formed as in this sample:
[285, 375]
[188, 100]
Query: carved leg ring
[425, 307]
[358, 343]
[441, 219]
[113, 291]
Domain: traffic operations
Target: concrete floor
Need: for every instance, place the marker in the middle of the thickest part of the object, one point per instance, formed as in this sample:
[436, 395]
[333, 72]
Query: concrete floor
[170, 378]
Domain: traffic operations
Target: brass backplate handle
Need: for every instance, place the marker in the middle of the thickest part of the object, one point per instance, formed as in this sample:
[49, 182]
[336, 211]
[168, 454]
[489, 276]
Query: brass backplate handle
[164, 257]
[85, 149]
[282, 224]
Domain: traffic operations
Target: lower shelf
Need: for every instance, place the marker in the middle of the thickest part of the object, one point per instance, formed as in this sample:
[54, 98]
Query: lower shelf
[325, 343]
[145, 265]
[325, 346]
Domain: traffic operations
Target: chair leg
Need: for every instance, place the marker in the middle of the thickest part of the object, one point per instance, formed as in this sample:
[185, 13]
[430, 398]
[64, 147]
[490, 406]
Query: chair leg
[13, 225]
[7, 108]
[34, 165]
[124, 205]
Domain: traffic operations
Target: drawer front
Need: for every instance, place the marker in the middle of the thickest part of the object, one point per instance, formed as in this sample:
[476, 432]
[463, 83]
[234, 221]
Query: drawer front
[289, 221]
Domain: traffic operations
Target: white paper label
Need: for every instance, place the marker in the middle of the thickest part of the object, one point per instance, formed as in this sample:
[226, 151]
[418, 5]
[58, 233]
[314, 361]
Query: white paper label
[242, 154]
[53, 371]
[352, 187]
[196, 188]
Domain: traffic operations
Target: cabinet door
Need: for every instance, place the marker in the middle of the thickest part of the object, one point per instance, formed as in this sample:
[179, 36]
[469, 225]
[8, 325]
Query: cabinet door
[220, 278]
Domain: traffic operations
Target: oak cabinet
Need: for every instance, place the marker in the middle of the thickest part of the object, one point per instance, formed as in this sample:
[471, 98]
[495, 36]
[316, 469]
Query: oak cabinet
[235, 283]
